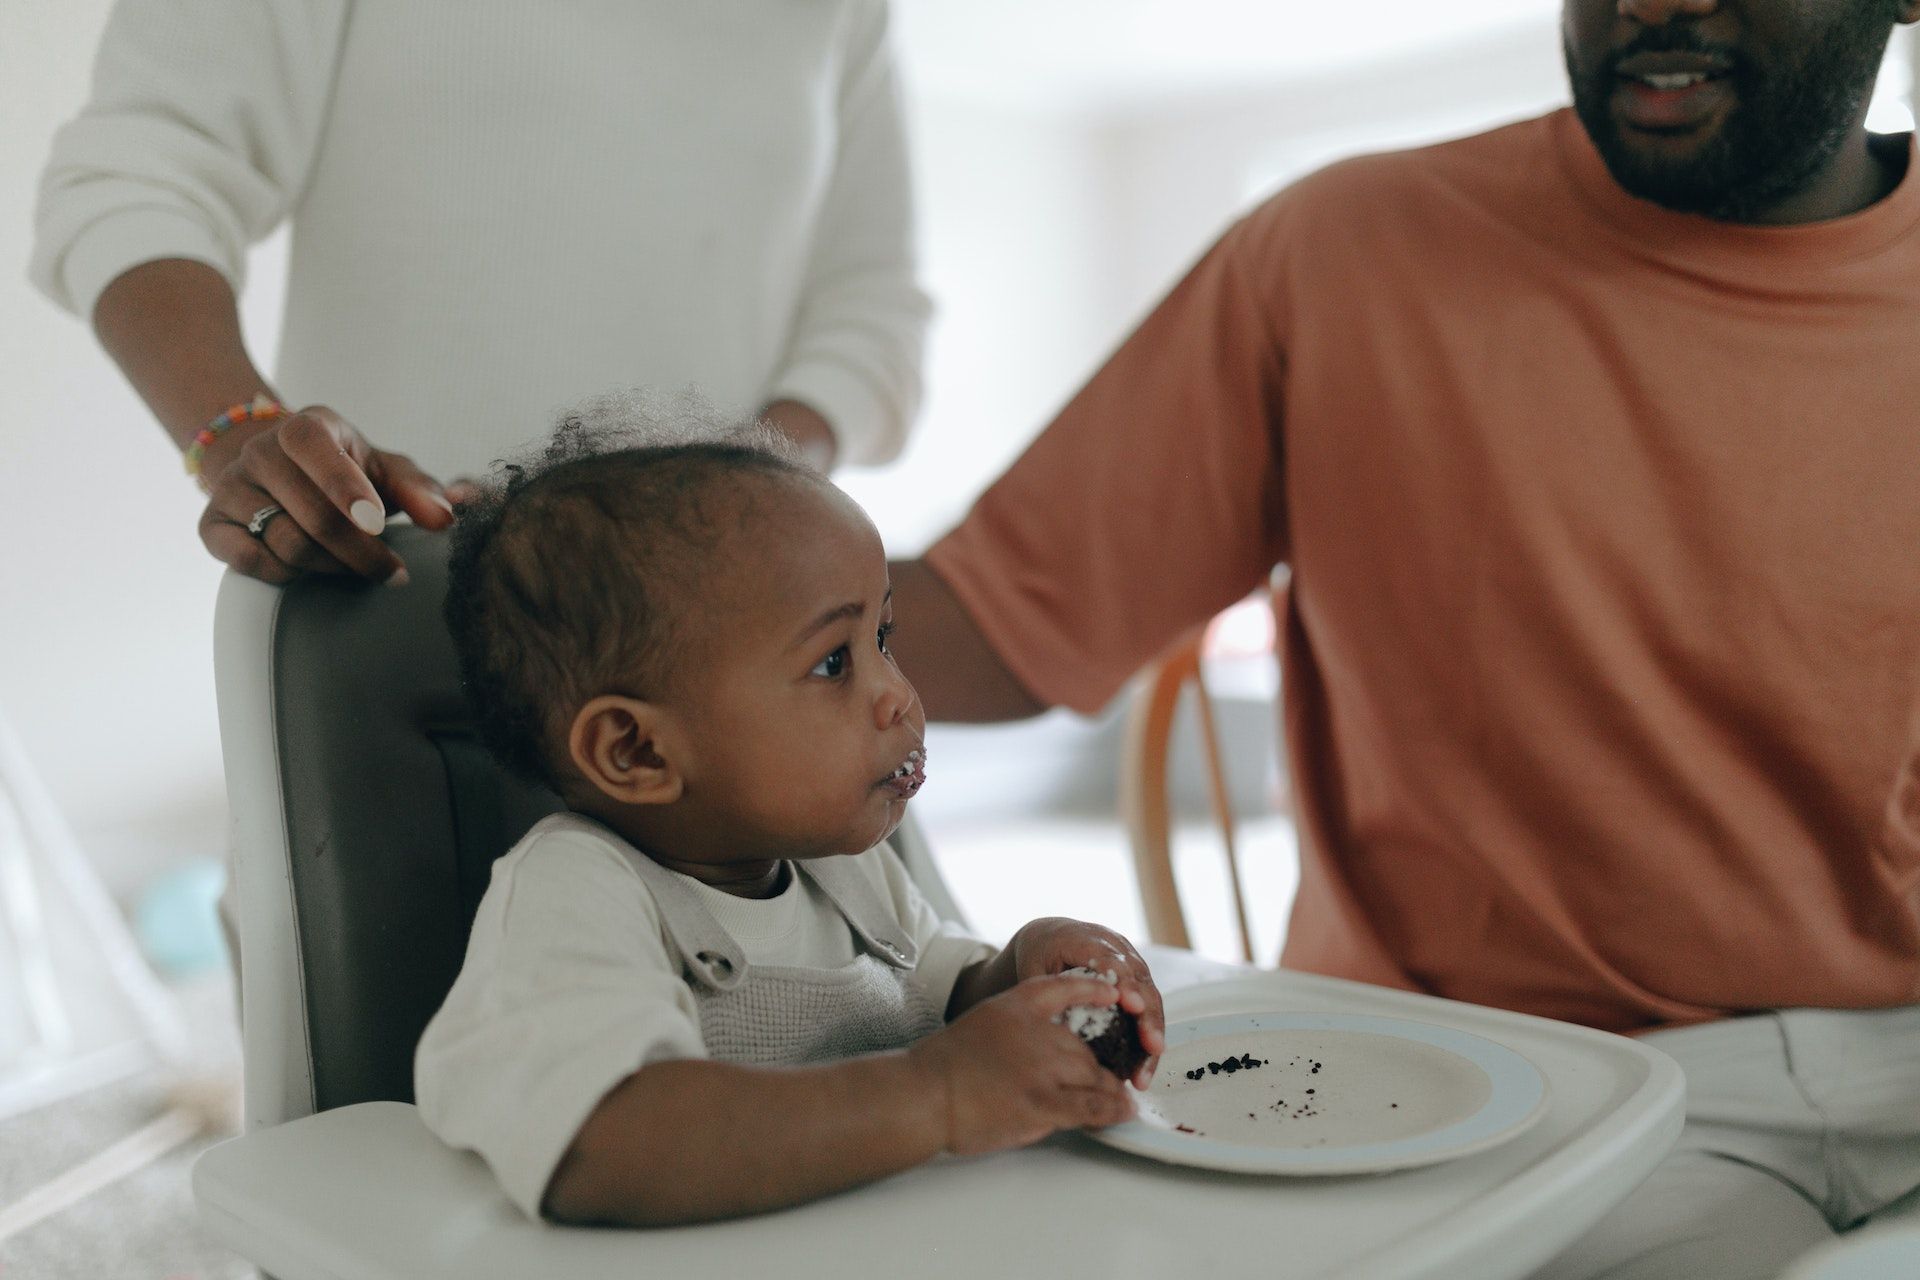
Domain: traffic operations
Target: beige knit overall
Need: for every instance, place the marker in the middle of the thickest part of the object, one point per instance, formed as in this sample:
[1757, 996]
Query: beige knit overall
[780, 1016]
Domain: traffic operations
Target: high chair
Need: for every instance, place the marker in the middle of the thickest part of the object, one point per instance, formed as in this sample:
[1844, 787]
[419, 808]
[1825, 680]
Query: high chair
[365, 818]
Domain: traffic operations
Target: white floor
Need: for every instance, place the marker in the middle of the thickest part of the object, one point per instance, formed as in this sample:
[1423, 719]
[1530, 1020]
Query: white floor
[1008, 871]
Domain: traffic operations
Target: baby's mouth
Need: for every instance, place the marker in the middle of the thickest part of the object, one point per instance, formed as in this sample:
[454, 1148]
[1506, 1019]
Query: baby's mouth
[910, 776]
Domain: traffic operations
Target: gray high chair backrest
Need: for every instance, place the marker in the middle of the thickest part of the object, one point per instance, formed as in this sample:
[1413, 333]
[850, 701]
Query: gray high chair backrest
[365, 820]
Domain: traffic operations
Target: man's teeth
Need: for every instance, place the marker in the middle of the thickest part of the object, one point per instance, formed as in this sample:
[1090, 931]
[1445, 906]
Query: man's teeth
[1674, 80]
[912, 762]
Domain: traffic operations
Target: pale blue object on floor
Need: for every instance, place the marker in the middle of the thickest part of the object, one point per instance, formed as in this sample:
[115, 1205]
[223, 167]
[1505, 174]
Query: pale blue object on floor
[178, 921]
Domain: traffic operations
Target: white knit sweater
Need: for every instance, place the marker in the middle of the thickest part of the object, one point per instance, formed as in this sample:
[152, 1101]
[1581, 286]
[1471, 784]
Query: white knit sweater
[502, 206]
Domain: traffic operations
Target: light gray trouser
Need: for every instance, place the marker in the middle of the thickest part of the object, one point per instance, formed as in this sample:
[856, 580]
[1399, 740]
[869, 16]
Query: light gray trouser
[1801, 1124]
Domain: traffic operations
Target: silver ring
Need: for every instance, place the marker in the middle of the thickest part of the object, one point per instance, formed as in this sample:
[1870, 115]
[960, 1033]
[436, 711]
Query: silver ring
[258, 525]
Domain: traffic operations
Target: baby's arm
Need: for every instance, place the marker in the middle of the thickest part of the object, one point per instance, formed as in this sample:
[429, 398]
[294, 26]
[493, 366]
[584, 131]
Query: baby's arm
[686, 1141]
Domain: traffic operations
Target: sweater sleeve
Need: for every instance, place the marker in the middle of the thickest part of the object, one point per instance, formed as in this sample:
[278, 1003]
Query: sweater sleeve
[857, 342]
[196, 140]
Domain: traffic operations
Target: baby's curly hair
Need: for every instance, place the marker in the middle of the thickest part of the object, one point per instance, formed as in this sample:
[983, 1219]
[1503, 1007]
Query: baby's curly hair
[573, 572]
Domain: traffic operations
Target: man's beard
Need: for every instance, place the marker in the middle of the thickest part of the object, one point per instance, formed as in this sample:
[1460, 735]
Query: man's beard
[1784, 128]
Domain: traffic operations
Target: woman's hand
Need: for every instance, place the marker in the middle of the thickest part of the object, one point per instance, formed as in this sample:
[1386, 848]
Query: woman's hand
[1008, 1074]
[334, 491]
[1056, 944]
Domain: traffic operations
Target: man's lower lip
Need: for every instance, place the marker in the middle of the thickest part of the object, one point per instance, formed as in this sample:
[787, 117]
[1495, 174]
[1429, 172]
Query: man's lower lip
[1640, 105]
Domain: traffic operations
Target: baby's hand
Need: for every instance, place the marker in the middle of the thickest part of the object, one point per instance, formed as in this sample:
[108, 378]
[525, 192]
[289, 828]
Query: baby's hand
[1056, 944]
[1009, 1075]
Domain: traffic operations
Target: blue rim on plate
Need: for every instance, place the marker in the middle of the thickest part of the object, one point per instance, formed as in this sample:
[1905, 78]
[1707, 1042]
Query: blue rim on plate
[1515, 1100]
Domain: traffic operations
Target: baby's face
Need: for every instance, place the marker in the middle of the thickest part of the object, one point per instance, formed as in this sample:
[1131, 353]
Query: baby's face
[807, 739]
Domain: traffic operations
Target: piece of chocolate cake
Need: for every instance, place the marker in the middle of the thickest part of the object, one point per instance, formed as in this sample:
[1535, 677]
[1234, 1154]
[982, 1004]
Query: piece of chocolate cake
[1110, 1031]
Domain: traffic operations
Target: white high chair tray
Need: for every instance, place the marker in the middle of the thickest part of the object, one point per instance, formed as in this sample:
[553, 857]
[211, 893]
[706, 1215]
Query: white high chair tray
[366, 1192]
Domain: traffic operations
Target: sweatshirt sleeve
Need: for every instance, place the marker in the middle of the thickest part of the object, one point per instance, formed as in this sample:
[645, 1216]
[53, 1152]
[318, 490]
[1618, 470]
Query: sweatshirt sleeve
[855, 355]
[196, 140]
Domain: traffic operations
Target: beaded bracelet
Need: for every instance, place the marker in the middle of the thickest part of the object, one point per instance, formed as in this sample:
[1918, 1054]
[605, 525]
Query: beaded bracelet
[260, 408]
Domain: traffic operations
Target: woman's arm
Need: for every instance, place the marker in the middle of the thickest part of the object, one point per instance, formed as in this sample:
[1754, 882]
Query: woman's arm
[859, 331]
[174, 329]
[196, 140]
[197, 136]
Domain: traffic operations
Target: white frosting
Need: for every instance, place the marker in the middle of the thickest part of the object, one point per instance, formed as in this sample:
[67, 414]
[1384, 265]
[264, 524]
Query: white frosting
[1091, 1021]
[1088, 1021]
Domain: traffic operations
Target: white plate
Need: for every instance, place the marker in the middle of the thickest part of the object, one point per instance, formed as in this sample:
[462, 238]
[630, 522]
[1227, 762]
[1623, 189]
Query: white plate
[1336, 1093]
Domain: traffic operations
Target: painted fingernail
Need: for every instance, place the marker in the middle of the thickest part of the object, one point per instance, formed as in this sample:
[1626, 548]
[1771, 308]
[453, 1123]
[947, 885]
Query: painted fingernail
[441, 498]
[399, 578]
[368, 515]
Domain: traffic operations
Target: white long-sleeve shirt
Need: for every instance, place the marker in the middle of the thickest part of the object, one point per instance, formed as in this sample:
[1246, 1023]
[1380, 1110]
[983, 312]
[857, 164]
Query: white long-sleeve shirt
[502, 206]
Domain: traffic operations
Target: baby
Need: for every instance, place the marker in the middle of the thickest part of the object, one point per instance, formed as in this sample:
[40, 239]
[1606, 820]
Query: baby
[708, 988]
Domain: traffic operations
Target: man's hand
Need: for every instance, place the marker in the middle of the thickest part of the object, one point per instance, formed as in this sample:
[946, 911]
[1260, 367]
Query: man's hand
[1009, 1075]
[334, 489]
[1056, 944]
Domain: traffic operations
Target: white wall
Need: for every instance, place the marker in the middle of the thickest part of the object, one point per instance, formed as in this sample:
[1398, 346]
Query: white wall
[1178, 171]
[1013, 241]
[104, 589]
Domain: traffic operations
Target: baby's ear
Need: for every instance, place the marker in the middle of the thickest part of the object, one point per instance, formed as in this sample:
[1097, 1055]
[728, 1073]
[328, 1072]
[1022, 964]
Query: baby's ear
[615, 744]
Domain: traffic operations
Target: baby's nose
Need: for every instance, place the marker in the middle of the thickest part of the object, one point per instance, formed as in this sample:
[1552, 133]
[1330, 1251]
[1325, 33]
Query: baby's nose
[895, 699]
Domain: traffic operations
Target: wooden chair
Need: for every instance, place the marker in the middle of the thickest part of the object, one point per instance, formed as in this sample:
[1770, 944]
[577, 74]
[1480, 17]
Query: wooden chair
[1145, 769]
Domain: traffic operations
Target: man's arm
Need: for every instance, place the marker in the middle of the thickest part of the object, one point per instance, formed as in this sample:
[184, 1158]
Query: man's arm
[1153, 501]
[942, 651]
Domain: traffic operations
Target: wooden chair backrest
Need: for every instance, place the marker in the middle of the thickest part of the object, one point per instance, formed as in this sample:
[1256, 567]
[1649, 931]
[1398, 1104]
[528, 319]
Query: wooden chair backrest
[1146, 765]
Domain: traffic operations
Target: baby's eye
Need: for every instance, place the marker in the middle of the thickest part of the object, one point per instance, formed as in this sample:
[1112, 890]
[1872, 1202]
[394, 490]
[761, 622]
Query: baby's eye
[833, 666]
[886, 633]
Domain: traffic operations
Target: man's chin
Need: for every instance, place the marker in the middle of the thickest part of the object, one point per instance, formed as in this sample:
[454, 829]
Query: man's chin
[1680, 169]
[1672, 184]
[1677, 161]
